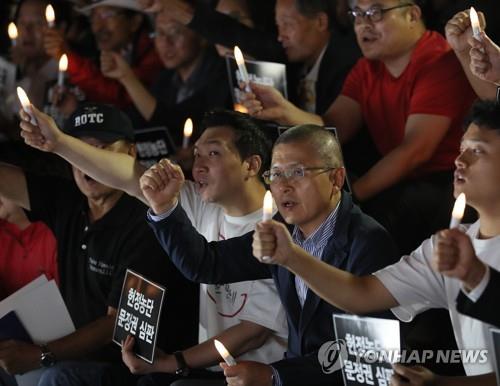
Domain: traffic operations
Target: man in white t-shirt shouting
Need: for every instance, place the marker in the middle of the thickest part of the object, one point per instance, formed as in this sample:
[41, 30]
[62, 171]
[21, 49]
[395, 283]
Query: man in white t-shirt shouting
[224, 201]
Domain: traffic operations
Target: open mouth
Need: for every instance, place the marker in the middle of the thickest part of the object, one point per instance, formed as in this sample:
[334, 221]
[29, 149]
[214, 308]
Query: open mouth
[459, 179]
[288, 205]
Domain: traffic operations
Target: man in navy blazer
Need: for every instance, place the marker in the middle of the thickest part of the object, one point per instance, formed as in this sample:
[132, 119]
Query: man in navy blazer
[305, 178]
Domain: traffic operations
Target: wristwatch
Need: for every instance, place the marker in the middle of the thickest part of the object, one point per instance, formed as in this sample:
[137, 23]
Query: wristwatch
[182, 367]
[47, 358]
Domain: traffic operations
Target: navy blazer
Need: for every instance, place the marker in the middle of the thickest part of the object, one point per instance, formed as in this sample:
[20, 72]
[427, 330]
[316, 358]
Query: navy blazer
[485, 308]
[359, 245]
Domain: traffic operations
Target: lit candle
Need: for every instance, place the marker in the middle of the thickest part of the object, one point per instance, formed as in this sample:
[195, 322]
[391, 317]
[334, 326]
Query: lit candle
[12, 31]
[458, 211]
[242, 68]
[188, 131]
[63, 66]
[25, 102]
[50, 16]
[474, 21]
[267, 213]
[267, 209]
[228, 358]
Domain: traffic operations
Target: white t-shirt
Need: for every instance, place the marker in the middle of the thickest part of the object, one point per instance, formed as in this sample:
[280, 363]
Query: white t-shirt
[417, 287]
[223, 306]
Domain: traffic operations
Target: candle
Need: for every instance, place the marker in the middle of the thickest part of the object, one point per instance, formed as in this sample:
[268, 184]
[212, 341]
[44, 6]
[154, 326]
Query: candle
[50, 16]
[25, 102]
[458, 211]
[242, 68]
[188, 131]
[228, 358]
[474, 21]
[267, 209]
[12, 31]
[267, 213]
[63, 66]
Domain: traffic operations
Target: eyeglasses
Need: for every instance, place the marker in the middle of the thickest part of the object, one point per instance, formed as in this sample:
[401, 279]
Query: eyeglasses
[375, 14]
[294, 174]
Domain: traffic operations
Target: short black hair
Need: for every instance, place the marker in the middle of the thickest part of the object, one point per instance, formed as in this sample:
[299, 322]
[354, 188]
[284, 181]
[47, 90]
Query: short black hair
[310, 8]
[249, 136]
[321, 140]
[485, 114]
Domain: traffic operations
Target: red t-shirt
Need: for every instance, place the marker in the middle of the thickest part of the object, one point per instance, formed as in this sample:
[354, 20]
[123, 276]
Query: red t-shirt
[432, 83]
[25, 255]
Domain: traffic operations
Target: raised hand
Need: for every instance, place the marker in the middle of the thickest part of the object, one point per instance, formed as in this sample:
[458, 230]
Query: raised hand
[161, 184]
[485, 59]
[454, 256]
[54, 43]
[458, 31]
[44, 136]
[413, 376]
[248, 373]
[265, 102]
[113, 65]
[272, 243]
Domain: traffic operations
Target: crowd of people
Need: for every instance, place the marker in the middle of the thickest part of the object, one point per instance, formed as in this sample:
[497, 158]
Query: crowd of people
[360, 213]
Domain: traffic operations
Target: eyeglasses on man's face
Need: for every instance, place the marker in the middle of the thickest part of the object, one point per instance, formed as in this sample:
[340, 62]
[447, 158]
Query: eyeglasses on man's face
[374, 14]
[294, 174]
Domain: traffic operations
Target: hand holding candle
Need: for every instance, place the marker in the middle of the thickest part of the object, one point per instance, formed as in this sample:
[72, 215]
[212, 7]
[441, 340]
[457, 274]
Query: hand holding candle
[26, 104]
[12, 31]
[228, 358]
[242, 68]
[458, 211]
[63, 67]
[188, 131]
[474, 21]
[50, 16]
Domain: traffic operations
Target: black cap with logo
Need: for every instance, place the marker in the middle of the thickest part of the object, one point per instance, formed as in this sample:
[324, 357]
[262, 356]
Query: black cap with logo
[103, 122]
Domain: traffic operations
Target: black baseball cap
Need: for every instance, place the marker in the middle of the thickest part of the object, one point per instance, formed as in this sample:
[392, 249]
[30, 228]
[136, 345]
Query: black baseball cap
[103, 122]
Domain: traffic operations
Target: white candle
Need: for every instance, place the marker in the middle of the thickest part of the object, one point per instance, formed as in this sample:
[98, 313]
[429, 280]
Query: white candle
[228, 358]
[50, 16]
[63, 66]
[267, 213]
[458, 211]
[188, 131]
[267, 208]
[12, 31]
[242, 68]
[474, 21]
[25, 102]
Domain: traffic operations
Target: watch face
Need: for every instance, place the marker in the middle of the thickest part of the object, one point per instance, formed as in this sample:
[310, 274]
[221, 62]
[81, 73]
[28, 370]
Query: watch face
[47, 359]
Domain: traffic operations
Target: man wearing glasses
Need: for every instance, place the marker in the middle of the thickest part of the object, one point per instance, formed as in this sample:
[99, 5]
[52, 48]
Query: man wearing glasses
[305, 177]
[411, 95]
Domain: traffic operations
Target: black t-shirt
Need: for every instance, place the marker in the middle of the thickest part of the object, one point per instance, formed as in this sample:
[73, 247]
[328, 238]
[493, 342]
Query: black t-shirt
[93, 257]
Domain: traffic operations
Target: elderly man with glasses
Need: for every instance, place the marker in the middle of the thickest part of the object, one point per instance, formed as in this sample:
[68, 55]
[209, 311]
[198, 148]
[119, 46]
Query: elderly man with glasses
[305, 178]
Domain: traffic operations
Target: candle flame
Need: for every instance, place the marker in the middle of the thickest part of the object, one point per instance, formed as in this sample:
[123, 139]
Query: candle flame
[23, 98]
[12, 31]
[238, 56]
[474, 21]
[188, 128]
[221, 349]
[459, 207]
[268, 205]
[63, 63]
[240, 108]
[50, 15]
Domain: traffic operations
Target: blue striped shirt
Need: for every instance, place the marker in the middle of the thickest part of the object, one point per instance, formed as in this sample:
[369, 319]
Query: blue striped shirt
[314, 245]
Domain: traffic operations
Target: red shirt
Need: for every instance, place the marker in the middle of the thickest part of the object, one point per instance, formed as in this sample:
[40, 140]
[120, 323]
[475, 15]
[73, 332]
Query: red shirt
[84, 73]
[432, 83]
[25, 255]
